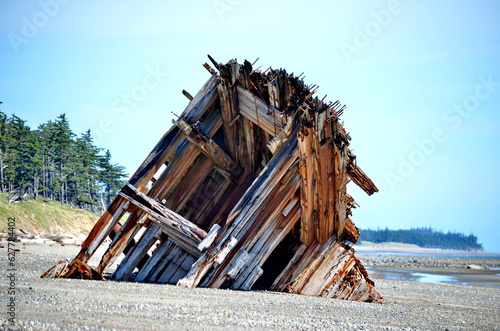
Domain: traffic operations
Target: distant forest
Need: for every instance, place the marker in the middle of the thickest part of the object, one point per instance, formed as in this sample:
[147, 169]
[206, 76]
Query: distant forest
[53, 163]
[423, 237]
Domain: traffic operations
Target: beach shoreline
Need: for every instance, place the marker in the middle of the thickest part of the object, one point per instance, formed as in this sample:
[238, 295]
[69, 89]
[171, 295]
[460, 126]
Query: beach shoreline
[453, 267]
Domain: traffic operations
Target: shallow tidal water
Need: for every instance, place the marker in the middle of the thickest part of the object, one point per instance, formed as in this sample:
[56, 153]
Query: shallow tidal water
[481, 278]
[433, 266]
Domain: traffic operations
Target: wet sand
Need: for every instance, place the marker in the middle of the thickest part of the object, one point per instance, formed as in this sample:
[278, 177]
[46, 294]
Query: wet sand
[432, 265]
[451, 276]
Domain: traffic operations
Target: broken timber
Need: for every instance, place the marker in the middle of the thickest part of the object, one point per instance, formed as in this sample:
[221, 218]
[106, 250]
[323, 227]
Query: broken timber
[246, 191]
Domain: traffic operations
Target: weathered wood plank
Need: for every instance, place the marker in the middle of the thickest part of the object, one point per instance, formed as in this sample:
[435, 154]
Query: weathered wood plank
[154, 262]
[205, 205]
[351, 232]
[178, 233]
[102, 228]
[192, 182]
[131, 261]
[229, 111]
[107, 228]
[299, 274]
[121, 241]
[173, 261]
[224, 162]
[262, 186]
[257, 230]
[202, 101]
[238, 263]
[252, 278]
[174, 220]
[308, 186]
[162, 272]
[181, 156]
[269, 239]
[330, 267]
[285, 275]
[326, 190]
[261, 204]
[265, 116]
[341, 180]
[360, 178]
[209, 239]
[155, 159]
[185, 264]
[205, 262]
[222, 198]
[194, 111]
[176, 170]
[250, 149]
[280, 138]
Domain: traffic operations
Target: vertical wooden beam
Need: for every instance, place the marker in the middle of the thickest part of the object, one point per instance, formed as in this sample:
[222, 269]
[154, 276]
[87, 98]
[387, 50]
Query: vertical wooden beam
[326, 182]
[340, 189]
[308, 188]
[229, 111]
[249, 149]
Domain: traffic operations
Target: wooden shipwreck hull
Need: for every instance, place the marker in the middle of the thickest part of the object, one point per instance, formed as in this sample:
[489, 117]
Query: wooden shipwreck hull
[246, 191]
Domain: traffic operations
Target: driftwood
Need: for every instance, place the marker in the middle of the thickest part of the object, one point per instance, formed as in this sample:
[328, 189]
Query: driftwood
[72, 269]
[247, 190]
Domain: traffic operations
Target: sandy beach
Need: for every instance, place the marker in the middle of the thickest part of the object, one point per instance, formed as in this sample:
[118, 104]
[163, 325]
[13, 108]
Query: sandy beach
[64, 304]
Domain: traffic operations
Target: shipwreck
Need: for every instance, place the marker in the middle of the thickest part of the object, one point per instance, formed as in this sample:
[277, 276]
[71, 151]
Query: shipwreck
[247, 190]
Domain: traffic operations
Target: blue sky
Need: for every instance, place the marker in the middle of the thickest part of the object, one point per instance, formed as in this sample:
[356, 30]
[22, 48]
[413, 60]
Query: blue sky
[421, 80]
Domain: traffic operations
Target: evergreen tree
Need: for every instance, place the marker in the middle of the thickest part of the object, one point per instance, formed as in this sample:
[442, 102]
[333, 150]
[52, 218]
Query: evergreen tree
[18, 153]
[4, 140]
[111, 176]
[62, 144]
[52, 162]
[85, 172]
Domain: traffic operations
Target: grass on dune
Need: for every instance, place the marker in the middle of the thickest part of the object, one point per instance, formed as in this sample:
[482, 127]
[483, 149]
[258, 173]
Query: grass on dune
[45, 217]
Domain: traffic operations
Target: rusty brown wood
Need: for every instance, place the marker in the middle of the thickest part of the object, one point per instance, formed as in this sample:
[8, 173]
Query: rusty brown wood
[263, 162]
[224, 162]
[307, 192]
[101, 229]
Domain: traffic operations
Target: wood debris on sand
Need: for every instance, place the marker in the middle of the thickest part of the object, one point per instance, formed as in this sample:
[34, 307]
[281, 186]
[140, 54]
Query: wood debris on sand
[247, 190]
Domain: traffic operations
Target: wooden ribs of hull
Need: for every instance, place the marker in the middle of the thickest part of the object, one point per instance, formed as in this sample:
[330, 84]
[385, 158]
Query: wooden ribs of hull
[247, 190]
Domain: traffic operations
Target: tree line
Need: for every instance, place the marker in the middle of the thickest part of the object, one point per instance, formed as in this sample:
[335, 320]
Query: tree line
[53, 163]
[424, 237]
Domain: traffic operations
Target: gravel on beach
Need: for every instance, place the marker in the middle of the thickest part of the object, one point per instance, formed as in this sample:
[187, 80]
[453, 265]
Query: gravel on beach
[67, 304]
